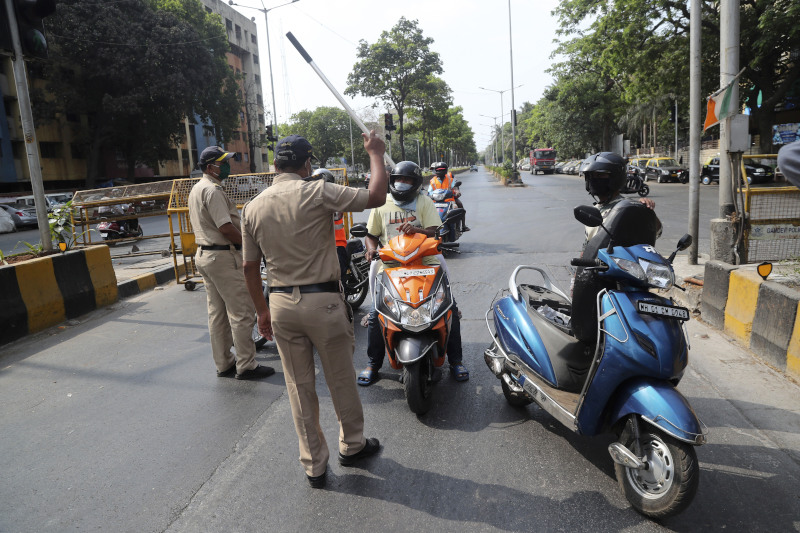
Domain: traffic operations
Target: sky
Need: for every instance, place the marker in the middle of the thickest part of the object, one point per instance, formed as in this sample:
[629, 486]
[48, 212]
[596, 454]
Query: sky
[471, 37]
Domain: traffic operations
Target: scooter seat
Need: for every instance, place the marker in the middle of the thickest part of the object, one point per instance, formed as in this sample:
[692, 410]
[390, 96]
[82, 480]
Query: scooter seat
[569, 357]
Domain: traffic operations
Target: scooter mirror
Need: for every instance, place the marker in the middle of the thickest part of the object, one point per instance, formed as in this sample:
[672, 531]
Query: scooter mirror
[588, 216]
[454, 213]
[457, 184]
[685, 242]
[359, 230]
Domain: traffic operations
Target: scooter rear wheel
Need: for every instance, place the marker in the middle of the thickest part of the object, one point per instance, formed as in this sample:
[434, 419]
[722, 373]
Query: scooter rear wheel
[418, 386]
[668, 486]
[644, 190]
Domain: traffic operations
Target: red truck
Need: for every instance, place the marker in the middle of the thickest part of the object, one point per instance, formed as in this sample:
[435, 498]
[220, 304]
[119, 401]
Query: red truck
[543, 160]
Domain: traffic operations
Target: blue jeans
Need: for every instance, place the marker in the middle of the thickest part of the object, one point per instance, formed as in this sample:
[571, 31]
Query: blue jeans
[376, 348]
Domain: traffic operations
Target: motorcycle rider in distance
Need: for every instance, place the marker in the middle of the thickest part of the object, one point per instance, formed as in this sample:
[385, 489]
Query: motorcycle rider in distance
[409, 212]
[443, 179]
[338, 223]
[605, 174]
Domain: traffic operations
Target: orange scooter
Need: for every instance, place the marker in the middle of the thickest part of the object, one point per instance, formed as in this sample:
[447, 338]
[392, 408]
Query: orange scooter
[414, 307]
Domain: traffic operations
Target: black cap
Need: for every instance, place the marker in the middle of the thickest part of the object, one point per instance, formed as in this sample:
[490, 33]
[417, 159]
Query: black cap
[212, 154]
[294, 148]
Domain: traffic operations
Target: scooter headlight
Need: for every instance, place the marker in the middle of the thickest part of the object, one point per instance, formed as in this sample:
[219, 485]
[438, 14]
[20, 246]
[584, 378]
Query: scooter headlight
[657, 274]
[440, 300]
[391, 305]
[410, 316]
[631, 268]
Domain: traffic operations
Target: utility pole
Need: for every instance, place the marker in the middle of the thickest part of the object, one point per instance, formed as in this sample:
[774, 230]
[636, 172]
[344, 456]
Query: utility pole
[694, 128]
[28, 128]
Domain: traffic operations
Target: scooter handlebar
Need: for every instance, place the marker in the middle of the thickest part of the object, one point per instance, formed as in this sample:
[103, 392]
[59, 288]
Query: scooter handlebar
[581, 262]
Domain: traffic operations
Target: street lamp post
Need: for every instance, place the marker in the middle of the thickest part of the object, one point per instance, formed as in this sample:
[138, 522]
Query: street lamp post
[502, 135]
[269, 55]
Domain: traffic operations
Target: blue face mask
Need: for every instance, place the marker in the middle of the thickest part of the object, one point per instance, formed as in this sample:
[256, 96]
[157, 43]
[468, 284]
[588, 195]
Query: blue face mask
[403, 186]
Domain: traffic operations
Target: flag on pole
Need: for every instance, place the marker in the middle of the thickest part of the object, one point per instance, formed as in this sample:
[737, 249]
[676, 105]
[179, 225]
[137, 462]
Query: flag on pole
[721, 104]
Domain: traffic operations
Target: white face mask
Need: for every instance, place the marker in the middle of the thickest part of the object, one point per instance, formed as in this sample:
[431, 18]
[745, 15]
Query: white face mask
[402, 186]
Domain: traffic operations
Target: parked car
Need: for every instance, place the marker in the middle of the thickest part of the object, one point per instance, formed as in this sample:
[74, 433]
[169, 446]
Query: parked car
[756, 173]
[636, 166]
[663, 169]
[572, 167]
[6, 222]
[473, 168]
[524, 164]
[22, 216]
[559, 166]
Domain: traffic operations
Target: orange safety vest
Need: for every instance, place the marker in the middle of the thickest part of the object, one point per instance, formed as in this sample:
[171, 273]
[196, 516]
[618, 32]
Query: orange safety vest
[338, 229]
[446, 184]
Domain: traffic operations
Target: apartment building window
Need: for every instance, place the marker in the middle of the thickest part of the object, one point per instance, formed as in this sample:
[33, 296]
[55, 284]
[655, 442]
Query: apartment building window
[261, 119]
[265, 157]
[228, 25]
[237, 135]
[258, 79]
[208, 131]
[50, 150]
[241, 116]
[260, 100]
[73, 117]
[255, 59]
[246, 157]
[208, 10]
[238, 32]
[253, 38]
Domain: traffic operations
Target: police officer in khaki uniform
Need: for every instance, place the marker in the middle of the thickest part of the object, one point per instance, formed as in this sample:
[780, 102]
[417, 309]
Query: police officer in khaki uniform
[291, 224]
[231, 315]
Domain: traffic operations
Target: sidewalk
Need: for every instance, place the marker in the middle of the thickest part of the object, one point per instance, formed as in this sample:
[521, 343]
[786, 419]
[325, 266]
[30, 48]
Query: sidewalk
[138, 273]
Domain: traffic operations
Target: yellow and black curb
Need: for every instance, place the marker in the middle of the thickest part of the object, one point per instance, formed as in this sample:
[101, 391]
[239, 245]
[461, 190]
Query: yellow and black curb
[762, 315]
[145, 282]
[43, 292]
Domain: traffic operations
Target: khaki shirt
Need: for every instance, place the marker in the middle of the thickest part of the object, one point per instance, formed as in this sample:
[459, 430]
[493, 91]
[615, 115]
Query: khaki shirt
[209, 209]
[291, 224]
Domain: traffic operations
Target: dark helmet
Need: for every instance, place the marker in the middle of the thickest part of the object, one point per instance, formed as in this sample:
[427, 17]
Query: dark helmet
[604, 173]
[440, 168]
[325, 174]
[406, 169]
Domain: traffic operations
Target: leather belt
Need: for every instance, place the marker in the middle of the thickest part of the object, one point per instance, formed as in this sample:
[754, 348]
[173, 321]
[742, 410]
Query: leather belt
[220, 246]
[328, 286]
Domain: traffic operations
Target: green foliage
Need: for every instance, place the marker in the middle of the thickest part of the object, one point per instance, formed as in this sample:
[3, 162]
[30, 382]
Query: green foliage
[328, 131]
[135, 68]
[61, 226]
[394, 68]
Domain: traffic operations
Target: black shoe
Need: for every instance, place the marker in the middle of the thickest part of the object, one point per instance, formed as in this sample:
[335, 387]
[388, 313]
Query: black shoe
[317, 482]
[464, 228]
[227, 373]
[372, 447]
[258, 372]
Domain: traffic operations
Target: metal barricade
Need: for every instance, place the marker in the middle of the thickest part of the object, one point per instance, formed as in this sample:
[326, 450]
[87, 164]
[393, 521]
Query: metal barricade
[123, 203]
[772, 231]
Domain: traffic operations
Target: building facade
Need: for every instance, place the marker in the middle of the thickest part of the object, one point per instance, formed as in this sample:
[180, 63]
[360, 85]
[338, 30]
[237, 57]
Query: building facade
[63, 162]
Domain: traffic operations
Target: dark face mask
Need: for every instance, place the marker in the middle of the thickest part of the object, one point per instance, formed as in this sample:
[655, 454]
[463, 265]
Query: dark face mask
[224, 170]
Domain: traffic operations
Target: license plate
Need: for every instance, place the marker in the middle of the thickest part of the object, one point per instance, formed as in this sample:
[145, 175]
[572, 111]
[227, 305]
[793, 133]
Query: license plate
[680, 313]
[104, 234]
[411, 272]
[359, 255]
[440, 206]
[673, 174]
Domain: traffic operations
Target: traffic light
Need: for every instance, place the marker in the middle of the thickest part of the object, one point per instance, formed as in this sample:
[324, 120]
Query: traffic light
[270, 136]
[5, 32]
[388, 120]
[672, 114]
[31, 26]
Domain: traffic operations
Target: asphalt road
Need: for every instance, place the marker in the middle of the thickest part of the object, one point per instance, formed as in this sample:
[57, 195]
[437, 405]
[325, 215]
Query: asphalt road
[117, 421]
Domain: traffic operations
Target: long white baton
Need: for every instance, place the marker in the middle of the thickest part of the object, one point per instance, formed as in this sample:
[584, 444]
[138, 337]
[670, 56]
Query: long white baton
[333, 90]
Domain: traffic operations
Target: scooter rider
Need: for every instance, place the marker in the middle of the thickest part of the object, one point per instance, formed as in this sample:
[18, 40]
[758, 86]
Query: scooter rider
[443, 179]
[405, 211]
[604, 175]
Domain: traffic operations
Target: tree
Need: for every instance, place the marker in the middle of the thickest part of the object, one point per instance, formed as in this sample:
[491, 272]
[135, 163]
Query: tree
[428, 102]
[327, 129]
[391, 68]
[135, 86]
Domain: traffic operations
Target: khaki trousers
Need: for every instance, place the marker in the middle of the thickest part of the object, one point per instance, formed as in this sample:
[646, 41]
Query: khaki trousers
[301, 323]
[231, 313]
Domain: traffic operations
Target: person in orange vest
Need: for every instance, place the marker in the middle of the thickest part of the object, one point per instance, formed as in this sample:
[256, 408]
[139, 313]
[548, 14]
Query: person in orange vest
[443, 179]
[339, 233]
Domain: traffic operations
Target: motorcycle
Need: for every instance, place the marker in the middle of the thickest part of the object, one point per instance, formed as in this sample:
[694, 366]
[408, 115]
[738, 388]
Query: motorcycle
[635, 184]
[625, 383]
[114, 230]
[414, 307]
[443, 200]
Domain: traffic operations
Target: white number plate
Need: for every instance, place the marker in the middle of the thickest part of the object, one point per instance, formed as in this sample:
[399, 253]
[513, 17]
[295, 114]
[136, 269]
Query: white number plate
[410, 272]
[104, 234]
[438, 205]
[681, 313]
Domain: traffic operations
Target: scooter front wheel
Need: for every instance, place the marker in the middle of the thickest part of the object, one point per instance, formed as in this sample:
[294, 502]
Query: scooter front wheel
[418, 386]
[644, 190]
[514, 398]
[669, 484]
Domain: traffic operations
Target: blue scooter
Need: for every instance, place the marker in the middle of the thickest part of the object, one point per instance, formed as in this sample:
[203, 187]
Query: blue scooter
[624, 382]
